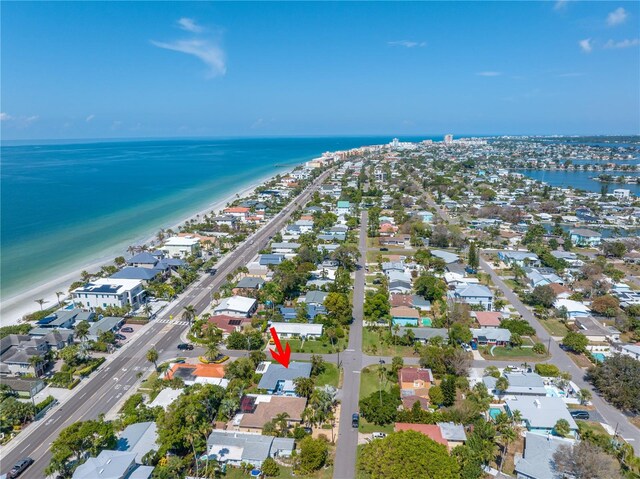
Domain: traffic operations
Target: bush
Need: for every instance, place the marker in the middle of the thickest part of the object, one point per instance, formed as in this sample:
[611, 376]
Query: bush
[313, 454]
[518, 326]
[43, 404]
[74, 383]
[270, 468]
[548, 370]
[539, 348]
[61, 379]
[91, 367]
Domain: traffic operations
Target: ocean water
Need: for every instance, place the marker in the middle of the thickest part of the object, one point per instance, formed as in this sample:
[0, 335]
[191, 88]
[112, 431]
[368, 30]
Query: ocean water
[65, 205]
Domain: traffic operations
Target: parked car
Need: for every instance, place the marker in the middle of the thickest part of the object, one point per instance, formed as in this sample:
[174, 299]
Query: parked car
[466, 347]
[308, 430]
[127, 330]
[384, 249]
[185, 347]
[121, 337]
[19, 467]
[355, 420]
[580, 414]
[378, 435]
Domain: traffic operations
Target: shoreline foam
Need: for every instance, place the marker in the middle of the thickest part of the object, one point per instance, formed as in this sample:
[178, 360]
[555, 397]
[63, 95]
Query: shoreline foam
[16, 306]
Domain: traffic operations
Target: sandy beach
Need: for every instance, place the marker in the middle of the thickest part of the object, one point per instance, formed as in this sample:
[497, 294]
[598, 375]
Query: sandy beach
[12, 309]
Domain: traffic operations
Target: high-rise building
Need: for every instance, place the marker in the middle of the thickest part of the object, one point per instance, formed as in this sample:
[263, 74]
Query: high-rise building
[448, 138]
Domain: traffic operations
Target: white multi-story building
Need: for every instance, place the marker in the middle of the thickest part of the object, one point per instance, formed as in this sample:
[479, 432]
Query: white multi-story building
[448, 138]
[106, 292]
[181, 246]
[621, 193]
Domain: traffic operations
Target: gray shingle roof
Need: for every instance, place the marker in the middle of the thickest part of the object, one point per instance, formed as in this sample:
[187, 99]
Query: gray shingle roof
[537, 460]
[277, 372]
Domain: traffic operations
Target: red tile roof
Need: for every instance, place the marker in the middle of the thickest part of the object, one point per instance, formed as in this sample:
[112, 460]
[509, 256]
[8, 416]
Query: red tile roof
[432, 431]
[488, 318]
[409, 375]
[401, 300]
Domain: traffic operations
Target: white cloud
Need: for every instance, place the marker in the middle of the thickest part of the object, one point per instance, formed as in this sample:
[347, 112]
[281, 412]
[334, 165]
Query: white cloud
[5, 117]
[190, 25]
[89, 118]
[618, 16]
[560, 5]
[30, 119]
[212, 55]
[489, 74]
[586, 45]
[406, 44]
[634, 42]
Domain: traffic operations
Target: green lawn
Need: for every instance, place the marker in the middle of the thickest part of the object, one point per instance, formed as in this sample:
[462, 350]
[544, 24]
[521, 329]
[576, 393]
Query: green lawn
[371, 338]
[317, 347]
[368, 428]
[501, 353]
[370, 382]
[331, 376]
[285, 472]
[554, 326]
[594, 427]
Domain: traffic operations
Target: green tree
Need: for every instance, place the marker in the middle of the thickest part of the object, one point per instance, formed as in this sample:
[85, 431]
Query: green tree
[380, 407]
[212, 338]
[304, 386]
[474, 260]
[430, 287]
[436, 396]
[338, 308]
[460, 333]
[408, 454]
[576, 342]
[189, 313]
[618, 380]
[543, 295]
[270, 468]
[562, 428]
[584, 395]
[152, 357]
[313, 454]
[448, 386]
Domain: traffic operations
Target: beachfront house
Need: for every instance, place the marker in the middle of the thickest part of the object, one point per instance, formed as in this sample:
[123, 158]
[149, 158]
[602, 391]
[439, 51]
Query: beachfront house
[105, 292]
[585, 237]
[182, 246]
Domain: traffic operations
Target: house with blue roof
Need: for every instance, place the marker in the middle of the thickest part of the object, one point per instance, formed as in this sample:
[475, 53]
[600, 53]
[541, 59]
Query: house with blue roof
[267, 259]
[475, 294]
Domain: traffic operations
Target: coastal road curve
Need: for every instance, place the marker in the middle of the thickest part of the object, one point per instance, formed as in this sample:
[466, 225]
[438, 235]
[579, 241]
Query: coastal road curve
[104, 389]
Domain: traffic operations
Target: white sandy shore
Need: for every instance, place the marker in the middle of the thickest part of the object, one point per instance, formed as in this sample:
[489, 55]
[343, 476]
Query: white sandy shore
[15, 307]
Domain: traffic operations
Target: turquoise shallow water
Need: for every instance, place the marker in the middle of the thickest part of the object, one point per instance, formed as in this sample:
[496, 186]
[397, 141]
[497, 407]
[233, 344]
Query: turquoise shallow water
[63, 205]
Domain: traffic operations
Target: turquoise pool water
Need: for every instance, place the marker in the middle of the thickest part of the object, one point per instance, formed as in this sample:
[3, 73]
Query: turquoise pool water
[494, 411]
[599, 357]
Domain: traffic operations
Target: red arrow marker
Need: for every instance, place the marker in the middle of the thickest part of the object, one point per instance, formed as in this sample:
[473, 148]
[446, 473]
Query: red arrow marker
[281, 356]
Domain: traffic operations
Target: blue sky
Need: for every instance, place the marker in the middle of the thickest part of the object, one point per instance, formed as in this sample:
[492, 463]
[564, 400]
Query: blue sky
[124, 69]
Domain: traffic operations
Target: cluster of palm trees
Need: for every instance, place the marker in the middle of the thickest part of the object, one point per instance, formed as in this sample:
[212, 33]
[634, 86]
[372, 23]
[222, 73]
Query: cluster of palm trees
[508, 428]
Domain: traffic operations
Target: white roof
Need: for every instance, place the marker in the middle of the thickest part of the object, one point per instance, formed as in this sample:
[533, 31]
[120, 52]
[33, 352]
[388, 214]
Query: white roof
[572, 306]
[298, 328]
[165, 397]
[182, 241]
[235, 303]
[127, 284]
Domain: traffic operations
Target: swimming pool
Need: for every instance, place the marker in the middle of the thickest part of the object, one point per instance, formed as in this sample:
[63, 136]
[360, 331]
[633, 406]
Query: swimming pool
[494, 411]
[599, 357]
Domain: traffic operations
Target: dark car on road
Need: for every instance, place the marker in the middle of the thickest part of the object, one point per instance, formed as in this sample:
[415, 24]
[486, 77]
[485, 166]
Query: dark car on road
[127, 330]
[580, 414]
[355, 420]
[185, 347]
[19, 467]
[384, 249]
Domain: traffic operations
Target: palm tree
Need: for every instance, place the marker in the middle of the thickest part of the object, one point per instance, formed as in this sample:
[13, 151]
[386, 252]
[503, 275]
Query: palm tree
[147, 309]
[34, 361]
[189, 313]
[152, 357]
[507, 436]
[58, 294]
[281, 420]
[40, 302]
[85, 276]
[131, 250]
[82, 332]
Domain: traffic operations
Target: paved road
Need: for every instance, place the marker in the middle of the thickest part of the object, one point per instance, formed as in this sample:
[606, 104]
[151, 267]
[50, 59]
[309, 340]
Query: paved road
[561, 359]
[105, 388]
[346, 451]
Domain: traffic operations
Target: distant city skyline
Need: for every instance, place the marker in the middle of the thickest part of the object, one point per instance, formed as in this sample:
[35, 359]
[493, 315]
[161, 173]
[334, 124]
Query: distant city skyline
[88, 70]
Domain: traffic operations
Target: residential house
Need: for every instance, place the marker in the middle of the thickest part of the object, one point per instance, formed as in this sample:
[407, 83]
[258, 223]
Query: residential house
[561, 291]
[105, 292]
[108, 323]
[540, 414]
[423, 335]
[537, 460]
[235, 448]
[473, 294]
[270, 259]
[446, 256]
[542, 276]
[491, 337]
[520, 384]
[113, 465]
[487, 319]
[573, 309]
[519, 258]
[595, 331]
[298, 330]
[585, 237]
[197, 374]
[284, 248]
[631, 350]
[278, 380]
[228, 324]
[405, 316]
[139, 438]
[432, 431]
[343, 208]
[399, 286]
[181, 246]
[258, 409]
[16, 353]
[453, 433]
[227, 220]
[248, 285]
[314, 297]
[239, 306]
[415, 382]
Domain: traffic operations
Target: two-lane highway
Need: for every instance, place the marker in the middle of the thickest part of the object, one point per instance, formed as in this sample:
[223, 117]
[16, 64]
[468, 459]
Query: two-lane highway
[102, 391]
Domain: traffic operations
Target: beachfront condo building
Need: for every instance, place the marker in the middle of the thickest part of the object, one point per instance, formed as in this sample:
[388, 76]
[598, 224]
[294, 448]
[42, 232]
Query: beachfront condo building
[106, 292]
